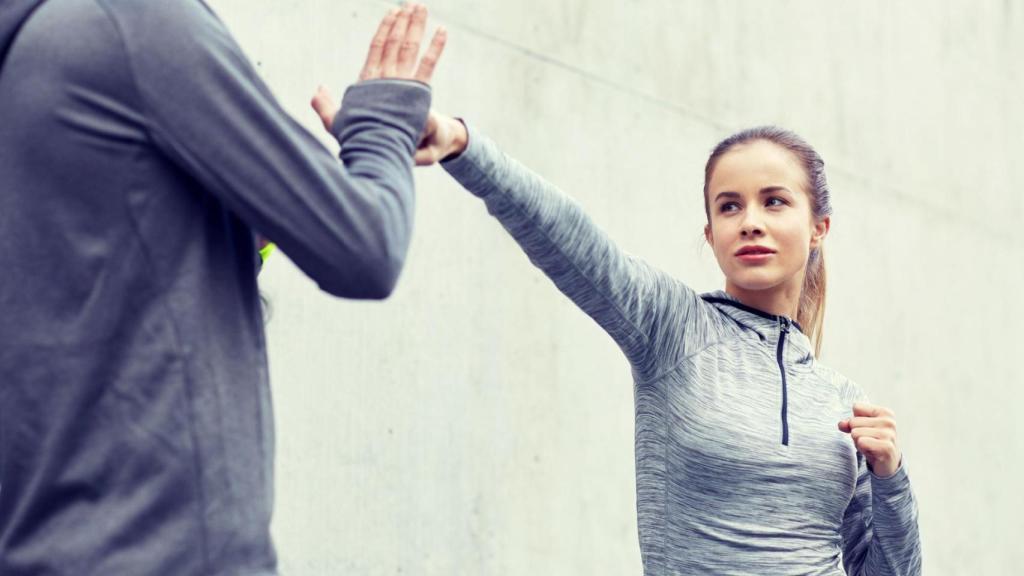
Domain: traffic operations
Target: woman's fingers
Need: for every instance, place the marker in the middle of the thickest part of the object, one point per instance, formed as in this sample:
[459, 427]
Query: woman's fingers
[371, 69]
[326, 109]
[875, 448]
[428, 148]
[425, 71]
[389, 60]
[425, 156]
[864, 409]
[879, 433]
[883, 457]
[869, 415]
[868, 422]
[410, 47]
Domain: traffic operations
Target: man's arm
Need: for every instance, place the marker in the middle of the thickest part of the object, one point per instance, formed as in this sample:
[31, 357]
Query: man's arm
[345, 224]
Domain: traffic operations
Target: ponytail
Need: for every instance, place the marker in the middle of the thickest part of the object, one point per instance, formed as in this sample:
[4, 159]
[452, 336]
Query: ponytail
[811, 311]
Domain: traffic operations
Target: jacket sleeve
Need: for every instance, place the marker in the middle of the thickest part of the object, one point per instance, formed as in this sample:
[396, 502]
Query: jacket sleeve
[346, 224]
[640, 306]
[879, 531]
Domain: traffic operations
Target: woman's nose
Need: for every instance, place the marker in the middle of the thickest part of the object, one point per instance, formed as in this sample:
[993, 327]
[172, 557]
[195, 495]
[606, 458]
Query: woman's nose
[751, 227]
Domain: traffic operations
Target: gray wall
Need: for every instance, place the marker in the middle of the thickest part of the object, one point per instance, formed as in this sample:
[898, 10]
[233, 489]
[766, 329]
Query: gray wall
[476, 423]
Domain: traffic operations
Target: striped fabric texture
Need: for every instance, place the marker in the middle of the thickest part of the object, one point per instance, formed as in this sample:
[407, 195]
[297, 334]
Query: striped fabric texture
[740, 465]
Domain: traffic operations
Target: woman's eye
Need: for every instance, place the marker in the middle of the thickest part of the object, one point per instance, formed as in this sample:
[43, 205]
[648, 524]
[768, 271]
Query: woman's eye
[775, 201]
[728, 207]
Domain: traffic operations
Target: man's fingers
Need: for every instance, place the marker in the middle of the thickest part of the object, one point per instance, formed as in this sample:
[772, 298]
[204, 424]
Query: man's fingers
[425, 71]
[410, 47]
[396, 45]
[371, 69]
[389, 60]
[323, 104]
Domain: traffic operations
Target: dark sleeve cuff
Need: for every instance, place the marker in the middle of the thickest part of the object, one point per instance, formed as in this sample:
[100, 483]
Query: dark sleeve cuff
[398, 104]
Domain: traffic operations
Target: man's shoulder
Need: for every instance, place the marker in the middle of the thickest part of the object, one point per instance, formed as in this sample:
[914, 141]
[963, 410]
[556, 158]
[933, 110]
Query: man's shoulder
[73, 30]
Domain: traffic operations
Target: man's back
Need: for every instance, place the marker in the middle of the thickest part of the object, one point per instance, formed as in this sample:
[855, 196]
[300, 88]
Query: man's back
[135, 421]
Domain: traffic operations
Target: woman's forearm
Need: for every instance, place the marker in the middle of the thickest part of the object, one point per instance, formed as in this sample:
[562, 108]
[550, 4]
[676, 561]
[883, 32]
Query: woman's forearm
[614, 288]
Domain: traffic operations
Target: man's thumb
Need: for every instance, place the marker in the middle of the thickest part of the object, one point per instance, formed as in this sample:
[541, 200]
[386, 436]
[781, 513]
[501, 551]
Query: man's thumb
[324, 106]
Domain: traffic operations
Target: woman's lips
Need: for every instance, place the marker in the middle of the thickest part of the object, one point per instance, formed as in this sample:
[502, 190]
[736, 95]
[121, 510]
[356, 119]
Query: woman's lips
[755, 257]
[754, 254]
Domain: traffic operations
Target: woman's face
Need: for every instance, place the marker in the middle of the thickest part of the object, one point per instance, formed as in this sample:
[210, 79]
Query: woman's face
[758, 201]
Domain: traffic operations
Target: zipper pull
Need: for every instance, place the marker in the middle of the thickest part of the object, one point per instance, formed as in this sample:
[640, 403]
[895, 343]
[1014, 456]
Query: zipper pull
[784, 324]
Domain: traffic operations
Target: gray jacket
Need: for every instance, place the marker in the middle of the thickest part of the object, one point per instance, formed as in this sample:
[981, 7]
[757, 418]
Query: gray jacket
[139, 154]
[740, 465]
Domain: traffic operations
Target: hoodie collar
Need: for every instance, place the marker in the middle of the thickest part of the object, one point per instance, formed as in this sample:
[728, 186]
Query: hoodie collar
[13, 14]
[768, 326]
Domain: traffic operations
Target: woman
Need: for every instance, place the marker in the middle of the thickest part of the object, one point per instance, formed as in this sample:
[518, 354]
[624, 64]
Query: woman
[751, 456]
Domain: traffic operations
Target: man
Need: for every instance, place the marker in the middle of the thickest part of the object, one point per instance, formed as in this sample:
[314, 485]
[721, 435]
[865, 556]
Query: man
[140, 154]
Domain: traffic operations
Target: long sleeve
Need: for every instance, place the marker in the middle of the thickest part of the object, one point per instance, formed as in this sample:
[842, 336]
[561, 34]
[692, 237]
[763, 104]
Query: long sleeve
[641, 307]
[879, 531]
[345, 224]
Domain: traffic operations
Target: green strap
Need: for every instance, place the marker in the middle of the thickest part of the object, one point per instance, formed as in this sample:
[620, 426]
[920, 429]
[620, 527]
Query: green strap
[266, 251]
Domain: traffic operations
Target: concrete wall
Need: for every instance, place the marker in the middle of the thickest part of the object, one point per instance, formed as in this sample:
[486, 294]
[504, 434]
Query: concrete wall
[477, 423]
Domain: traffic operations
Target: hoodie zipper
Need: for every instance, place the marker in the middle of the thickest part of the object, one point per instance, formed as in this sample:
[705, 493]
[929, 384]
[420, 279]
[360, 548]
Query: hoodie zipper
[784, 326]
[783, 330]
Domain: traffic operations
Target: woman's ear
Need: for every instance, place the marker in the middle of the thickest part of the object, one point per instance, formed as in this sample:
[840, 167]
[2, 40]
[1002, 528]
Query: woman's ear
[820, 231]
[708, 236]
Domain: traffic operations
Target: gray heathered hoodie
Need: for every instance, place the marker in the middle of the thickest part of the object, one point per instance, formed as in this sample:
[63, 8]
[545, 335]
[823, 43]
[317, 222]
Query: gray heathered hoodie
[139, 152]
[740, 466]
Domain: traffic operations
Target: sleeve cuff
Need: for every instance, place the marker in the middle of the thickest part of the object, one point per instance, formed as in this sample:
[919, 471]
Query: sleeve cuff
[400, 104]
[896, 484]
[471, 166]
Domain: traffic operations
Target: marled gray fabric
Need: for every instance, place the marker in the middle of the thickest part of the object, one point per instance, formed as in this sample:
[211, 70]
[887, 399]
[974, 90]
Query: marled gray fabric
[718, 492]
